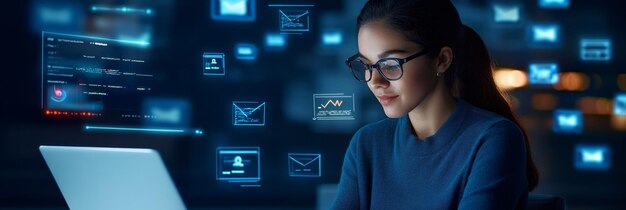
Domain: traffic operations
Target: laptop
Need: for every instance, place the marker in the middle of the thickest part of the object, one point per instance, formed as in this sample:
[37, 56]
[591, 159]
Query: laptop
[112, 178]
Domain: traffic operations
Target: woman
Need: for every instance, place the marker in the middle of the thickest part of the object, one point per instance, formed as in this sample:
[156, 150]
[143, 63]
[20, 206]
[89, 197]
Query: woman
[451, 140]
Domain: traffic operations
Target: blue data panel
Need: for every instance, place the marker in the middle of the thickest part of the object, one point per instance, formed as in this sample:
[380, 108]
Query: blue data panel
[82, 74]
[238, 164]
[595, 49]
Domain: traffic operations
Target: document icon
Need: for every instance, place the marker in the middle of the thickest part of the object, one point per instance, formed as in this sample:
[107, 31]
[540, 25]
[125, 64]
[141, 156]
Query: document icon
[333, 106]
[305, 165]
[619, 104]
[553, 3]
[592, 157]
[213, 64]
[506, 14]
[543, 73]
[233, 10]
[568, 121]
[238, 164]
[248, 113]
[293, 20]
[595, 49]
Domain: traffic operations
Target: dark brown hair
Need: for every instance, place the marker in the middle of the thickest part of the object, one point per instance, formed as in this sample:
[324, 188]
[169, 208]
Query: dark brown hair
[436, 24]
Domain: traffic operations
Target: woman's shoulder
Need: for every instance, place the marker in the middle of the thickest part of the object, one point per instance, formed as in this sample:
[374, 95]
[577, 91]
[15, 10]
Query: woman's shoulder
[490, 123]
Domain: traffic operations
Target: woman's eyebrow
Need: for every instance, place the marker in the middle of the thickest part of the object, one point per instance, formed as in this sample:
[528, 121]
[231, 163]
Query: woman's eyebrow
[385, 53]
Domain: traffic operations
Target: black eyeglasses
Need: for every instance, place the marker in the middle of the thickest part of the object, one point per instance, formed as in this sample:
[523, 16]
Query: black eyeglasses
[390, 68]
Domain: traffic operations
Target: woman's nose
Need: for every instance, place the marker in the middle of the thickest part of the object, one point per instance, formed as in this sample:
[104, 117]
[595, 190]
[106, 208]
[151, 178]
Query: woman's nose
[378, 81]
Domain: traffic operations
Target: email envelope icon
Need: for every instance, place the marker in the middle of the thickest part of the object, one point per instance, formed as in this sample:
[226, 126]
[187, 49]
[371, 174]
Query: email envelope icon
[545, 33]
[506, 13]
[304, 165]
[294, 20]
[248, 113]
[233, 10]
[233, 7]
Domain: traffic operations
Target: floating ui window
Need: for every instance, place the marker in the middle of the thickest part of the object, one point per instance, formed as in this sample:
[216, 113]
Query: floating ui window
[213, 64]
[238, 164]
[333, 106]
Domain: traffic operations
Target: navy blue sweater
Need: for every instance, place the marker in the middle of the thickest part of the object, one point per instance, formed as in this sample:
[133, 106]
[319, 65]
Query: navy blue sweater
[476, 160]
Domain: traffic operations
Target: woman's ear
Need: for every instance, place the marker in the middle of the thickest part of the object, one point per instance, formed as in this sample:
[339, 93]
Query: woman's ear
[444, 60]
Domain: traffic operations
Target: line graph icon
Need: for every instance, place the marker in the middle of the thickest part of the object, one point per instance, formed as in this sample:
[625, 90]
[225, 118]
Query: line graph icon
[333, 106]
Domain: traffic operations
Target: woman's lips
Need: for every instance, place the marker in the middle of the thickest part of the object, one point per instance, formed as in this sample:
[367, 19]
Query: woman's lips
[386, 99]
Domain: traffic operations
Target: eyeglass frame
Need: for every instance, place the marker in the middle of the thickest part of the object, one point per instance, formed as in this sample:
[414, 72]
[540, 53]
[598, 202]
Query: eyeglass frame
[400, 61]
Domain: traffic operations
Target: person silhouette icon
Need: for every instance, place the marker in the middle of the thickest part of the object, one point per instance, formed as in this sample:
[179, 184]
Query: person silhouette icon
[237, 161]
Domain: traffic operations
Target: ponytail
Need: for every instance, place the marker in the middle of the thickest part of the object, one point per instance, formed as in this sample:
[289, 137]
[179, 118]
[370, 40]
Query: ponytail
[473, 82]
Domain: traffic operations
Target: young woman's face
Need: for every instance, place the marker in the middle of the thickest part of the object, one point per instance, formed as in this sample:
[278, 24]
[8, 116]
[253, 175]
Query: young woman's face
[376, 41]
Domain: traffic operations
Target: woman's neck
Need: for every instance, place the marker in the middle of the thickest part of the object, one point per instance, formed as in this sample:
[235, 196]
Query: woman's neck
[432, 112]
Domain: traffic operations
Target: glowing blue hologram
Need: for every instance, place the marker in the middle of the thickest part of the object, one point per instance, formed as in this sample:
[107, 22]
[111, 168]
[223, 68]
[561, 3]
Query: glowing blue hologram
[592, 157]
[304, 165]
[123, 9]
[619, 104]
[238, 164]
[545, 33]
[166, 113]
[333, 106]
[291, 20]
[246, 51]
[506, 13]
[248, 113]
[553, 3]
[568, 121]
[131, 129]
[543, 73]
[332, 38]
[275, 41]
[233, 10]
[595, 49]
[213, 64]
[59, 16]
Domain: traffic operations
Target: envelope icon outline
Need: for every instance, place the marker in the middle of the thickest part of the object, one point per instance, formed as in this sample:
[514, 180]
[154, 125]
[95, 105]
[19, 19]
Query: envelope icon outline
[246, 113]
[304, 165]
[293, 20]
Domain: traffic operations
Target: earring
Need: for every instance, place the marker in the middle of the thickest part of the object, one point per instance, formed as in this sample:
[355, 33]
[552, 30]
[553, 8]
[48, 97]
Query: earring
[439, 73]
